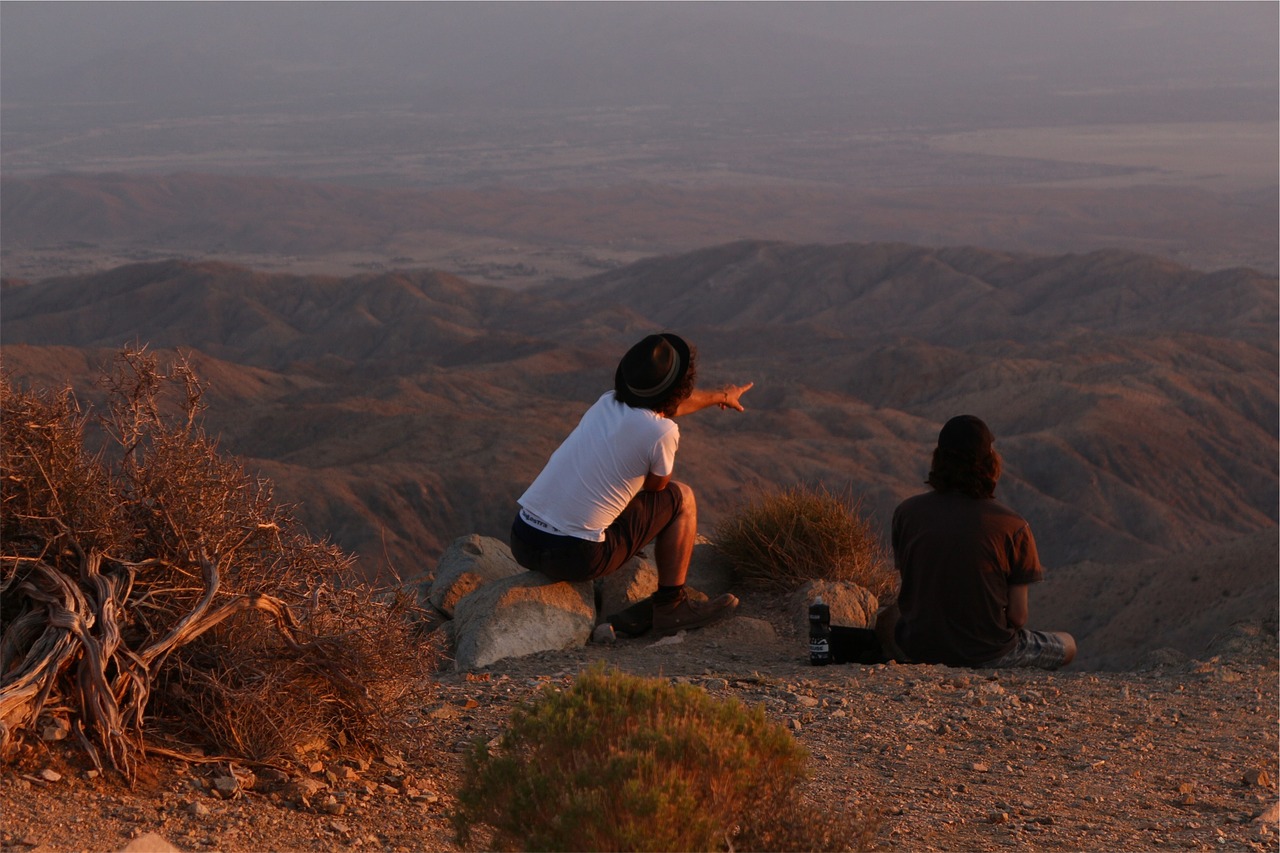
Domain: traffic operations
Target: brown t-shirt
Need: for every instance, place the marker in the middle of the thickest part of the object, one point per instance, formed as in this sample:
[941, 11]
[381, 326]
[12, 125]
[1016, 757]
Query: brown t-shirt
[958, 556]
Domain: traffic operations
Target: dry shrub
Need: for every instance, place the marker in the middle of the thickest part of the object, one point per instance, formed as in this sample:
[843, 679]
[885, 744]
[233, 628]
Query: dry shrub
[789, 536]
[620, 762]
[255, 695]
[155, 584]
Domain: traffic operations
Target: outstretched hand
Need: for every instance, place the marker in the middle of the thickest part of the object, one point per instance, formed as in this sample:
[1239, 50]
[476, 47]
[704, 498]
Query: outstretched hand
[728, 397]
[733, 396]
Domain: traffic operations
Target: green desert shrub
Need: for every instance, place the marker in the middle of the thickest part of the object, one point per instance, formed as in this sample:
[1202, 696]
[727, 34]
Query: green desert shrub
[788, 536]
[620, 762]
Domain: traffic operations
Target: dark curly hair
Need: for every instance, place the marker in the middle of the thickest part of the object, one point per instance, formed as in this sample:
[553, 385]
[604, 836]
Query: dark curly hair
[953, 471]
[667, 404]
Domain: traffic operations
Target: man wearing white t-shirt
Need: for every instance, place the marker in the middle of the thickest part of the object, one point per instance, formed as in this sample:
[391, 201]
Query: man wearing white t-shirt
[607, 490]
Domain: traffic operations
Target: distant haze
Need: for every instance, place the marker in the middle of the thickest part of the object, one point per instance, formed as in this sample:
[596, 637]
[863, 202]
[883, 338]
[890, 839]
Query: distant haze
[74, 73]
[610, 53]
[626, 130]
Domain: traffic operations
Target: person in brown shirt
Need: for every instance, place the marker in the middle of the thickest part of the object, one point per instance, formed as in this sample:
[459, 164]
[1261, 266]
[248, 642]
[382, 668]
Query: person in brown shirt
[966, 561]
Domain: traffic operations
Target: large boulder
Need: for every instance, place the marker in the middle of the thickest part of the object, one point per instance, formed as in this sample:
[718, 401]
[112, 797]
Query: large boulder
[851, 605]
[521, 615]
[469, 563]
[635, 581]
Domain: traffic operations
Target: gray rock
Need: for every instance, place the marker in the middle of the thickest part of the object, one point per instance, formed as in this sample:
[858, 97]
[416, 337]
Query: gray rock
[851, 605]
[709, 571]
[635, 581]
[520, 615]
[468, 564]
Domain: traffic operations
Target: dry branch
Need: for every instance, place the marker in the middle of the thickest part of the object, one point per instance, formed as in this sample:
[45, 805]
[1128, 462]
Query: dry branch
[119, 580]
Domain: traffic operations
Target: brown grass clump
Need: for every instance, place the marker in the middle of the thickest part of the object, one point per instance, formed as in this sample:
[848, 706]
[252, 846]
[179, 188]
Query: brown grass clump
[789, 536]
[154, 585]
[620, 762]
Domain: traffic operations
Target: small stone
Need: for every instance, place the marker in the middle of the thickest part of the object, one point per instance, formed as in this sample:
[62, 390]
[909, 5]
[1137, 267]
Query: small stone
[50, 775]
[980, 767]
[226, 786]
[330, 805]
[198, 809]
[1257, 778]
[998, 817]
[307, 787]
[604, 634]
[56, 730]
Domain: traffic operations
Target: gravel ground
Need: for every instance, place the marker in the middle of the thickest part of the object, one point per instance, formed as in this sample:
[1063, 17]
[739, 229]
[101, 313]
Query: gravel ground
[1181, 754]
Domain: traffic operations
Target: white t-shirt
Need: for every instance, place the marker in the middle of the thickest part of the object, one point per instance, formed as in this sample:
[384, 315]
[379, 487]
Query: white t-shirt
[600, 467]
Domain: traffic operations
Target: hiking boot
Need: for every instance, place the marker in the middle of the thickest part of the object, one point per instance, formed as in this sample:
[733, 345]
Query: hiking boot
[634, 620]
[684, 613]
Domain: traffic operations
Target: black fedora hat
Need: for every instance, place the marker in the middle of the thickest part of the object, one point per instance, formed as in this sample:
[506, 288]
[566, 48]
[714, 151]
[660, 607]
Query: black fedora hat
[654, 366]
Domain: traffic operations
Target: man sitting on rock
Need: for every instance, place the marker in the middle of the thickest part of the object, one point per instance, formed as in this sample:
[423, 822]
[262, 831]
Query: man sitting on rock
[607, 490]
[966, 561]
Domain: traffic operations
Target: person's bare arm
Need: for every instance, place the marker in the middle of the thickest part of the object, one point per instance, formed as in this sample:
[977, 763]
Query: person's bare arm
[654, 483]
[728, 397]
[1018, 610]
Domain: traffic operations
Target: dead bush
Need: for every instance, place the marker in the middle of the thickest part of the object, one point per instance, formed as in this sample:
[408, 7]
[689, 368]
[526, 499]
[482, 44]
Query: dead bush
[152, 584]
[788, 536]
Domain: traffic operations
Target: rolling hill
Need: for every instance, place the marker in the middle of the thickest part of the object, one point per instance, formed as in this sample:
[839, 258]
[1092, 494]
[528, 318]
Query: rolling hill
[1134, 400]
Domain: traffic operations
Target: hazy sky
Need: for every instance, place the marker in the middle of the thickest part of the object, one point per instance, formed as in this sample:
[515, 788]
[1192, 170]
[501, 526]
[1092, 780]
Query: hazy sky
[485, 53]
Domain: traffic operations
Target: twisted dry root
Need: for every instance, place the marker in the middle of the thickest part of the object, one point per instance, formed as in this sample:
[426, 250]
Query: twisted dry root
[67, 641]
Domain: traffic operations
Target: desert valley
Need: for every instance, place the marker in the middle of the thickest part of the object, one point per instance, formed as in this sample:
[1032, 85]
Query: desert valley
[402, 296]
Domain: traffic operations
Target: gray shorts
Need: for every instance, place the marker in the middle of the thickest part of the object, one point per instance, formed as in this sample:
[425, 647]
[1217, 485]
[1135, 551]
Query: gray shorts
[1038, 649]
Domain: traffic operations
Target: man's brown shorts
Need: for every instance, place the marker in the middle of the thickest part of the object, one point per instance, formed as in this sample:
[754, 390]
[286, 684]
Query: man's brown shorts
[569, 558]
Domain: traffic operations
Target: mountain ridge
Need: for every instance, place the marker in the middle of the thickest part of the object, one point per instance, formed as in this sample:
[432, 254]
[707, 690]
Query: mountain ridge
[403, 409]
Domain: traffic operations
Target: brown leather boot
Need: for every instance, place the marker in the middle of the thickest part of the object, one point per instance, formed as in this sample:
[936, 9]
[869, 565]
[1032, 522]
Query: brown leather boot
[634, 620]
[684, 613]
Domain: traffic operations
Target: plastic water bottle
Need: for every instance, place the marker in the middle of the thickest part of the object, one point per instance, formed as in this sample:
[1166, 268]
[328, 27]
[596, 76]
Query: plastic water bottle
[819, 633]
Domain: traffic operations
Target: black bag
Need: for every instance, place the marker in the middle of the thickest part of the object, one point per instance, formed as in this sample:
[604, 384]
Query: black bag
[856, 645]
